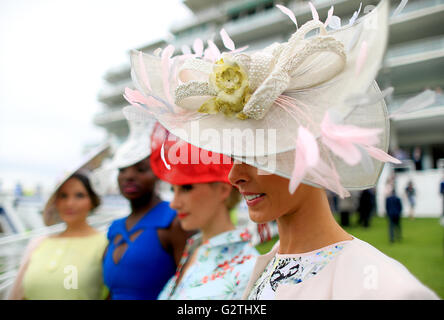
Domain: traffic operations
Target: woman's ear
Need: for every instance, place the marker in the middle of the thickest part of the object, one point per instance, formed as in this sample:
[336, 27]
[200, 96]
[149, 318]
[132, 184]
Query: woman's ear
[225, 190]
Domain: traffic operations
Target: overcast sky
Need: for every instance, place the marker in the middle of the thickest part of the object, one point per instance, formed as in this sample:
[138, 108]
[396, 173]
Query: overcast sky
[53, 54]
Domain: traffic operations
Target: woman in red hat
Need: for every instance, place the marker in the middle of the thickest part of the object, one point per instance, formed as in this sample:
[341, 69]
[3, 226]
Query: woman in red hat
[218, 260]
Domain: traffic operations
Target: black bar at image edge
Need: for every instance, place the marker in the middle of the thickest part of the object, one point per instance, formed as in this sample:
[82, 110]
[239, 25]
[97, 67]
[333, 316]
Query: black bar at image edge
[199, 309]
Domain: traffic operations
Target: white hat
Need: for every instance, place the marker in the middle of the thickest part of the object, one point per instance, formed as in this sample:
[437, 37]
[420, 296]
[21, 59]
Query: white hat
[136, 148]
[138, 144]
[312, 106]
[84, 165]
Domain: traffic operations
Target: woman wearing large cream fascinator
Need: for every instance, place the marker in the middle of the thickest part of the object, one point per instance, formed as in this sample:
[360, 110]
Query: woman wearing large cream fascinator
[297, 117]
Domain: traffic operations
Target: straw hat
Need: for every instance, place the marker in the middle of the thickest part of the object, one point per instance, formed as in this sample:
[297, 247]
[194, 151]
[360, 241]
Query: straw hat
[84, 165]
[308, 109]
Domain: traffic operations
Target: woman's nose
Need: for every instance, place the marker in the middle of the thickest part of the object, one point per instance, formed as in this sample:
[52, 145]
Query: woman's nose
[127, 174]
[176, 203]
[238, 174]
[70, 201]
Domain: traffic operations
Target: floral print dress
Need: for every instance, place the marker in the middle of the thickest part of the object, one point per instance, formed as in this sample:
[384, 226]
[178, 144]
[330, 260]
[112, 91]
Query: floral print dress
[292, 268]
[221, 270]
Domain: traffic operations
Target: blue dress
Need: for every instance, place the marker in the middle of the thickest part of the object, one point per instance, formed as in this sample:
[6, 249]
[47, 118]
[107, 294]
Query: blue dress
[145, 266]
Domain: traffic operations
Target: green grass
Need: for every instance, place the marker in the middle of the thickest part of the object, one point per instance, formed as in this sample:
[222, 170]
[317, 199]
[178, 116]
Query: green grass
[421, 249]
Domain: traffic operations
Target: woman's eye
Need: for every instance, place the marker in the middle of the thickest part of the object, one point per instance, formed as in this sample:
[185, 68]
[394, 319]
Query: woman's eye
[80, 195]
[187, 187]
[143, 168]
[62, 196]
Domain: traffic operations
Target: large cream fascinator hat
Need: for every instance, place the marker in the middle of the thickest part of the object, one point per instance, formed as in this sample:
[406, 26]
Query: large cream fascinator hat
[308, 109]
[85, 166]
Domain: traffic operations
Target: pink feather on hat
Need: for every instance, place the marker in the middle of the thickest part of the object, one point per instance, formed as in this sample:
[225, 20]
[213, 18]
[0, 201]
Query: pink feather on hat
[289, 13]
[306, 156]
[329, 16]
[314, 12]
[345, 140]
[342, 139]
[362, 57]
[198, 47]
[166, 56]
[380, 155]
[213, 52]
[145, 79]
[228, 43]
[137, 99]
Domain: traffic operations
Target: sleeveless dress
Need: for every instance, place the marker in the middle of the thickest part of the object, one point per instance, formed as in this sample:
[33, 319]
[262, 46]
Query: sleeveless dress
[145, 266]
[66, 268]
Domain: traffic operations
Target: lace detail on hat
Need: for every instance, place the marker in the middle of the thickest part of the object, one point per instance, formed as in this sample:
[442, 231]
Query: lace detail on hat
[277, 82]
[193, 89]
[259, 67]
[269, 72]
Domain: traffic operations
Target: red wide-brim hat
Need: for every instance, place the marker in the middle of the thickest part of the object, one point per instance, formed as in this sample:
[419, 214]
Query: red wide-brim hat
[179, 163]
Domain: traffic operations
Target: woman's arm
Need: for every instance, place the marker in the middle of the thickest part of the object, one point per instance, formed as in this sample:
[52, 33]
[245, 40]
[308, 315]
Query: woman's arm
[17, 292]
[106, 291]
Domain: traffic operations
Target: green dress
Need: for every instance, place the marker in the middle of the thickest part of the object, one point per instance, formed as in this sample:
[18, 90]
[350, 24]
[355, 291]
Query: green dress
[66, 268]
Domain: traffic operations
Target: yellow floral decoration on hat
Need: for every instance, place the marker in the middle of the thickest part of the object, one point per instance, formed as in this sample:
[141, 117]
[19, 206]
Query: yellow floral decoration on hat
[230, 81]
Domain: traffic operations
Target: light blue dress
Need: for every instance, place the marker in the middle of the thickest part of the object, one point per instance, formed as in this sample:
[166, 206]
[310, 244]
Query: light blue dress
[221, 270]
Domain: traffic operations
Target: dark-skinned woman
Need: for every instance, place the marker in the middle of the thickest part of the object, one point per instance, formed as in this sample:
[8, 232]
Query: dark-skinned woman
[144, 247]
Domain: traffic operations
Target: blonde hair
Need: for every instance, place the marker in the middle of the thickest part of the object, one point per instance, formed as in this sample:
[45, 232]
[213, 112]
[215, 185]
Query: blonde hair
[233, 199]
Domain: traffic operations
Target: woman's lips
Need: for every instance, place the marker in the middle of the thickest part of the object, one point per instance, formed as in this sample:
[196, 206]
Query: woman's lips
[253, 199]
[182, 215]
[130, 188]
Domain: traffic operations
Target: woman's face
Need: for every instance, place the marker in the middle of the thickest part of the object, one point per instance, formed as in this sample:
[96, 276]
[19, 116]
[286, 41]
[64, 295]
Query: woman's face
[196, 204]
[73, 202]
[137, 180]
[267, 195]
